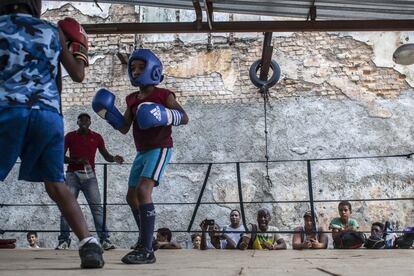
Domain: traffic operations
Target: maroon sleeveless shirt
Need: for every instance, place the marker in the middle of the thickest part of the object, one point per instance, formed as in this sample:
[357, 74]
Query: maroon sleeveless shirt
[156, 137]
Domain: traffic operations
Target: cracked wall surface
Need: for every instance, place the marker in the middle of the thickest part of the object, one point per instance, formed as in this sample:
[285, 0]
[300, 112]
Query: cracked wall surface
[339, 95]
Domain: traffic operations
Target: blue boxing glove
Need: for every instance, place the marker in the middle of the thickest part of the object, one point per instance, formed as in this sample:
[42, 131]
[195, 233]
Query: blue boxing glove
[104, 105]
[153, 115]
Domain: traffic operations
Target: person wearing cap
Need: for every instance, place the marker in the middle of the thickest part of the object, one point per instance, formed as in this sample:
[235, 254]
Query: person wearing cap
[306, 237]
[80, 176]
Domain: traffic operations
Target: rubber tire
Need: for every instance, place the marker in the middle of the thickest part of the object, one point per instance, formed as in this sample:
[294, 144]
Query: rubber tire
[271, 81]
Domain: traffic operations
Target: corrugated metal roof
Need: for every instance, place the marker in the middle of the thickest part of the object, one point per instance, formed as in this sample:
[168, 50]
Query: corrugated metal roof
[326, 9]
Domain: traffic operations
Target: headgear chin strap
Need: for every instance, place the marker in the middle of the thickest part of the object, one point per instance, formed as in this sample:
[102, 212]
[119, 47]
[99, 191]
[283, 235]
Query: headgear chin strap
[152, 74]
[35, 6]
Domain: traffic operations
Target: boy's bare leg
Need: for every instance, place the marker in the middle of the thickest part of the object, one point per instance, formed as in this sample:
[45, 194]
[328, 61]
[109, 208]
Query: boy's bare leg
[69, 208]
[90, 251]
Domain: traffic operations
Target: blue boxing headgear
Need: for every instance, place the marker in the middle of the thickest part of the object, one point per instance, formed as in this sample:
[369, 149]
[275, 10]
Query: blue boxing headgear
[152, 74]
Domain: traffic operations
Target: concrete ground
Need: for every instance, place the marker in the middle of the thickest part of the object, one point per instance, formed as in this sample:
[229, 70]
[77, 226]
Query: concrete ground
[45, 262]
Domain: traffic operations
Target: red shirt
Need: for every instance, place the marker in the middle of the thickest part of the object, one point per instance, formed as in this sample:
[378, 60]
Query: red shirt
[83, 146]
[156, 137]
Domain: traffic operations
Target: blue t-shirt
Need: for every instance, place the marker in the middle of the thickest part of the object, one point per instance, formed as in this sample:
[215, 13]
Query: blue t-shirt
[29, 60]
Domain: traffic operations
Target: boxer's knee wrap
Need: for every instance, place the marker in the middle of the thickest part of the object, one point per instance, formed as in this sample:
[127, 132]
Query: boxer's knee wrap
[152, 74]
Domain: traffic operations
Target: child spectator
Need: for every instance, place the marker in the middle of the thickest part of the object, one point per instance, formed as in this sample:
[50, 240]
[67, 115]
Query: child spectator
[196, 240]
[32, 239]
[344, 229]
[258, 236]
[164, 239]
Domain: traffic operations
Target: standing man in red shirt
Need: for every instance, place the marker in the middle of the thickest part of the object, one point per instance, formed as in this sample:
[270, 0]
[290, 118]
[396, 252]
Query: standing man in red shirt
[80, 176]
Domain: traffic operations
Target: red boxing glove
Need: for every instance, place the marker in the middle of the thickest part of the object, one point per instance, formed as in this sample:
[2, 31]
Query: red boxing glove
[77, 38]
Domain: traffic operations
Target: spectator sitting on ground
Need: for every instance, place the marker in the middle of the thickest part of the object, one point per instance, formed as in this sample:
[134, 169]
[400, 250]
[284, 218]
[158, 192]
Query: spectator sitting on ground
[234, 226]
[344, 229]
[306, 238]
[196, 240]
[217, 240]
[375, 240]
[164, 239]
[32, 239]
[258, 236]
[381, 236]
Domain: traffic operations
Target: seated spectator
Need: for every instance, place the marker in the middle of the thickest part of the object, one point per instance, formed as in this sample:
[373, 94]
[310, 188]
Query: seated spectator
[32, 239]
[306, 238]
[196, 240]
[217, 240]
[258, 236]
[235, 226]
[376, 239]
[164, 239]
[382, 236]
[407, 239]
[345, 229]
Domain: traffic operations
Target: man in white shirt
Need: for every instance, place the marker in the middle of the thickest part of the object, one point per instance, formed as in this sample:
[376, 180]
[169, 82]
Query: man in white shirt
[235, 229]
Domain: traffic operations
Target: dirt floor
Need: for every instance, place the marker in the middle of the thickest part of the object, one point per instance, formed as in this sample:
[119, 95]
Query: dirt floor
[45, 262]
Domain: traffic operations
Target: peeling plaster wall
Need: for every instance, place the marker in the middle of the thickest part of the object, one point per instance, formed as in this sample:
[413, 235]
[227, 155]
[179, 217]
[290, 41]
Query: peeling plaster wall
[339, 95]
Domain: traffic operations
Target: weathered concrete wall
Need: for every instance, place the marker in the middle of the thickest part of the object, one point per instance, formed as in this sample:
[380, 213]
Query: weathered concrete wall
[334, 99]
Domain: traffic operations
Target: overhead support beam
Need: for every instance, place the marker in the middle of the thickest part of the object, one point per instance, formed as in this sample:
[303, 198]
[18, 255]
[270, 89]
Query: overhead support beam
[267, 53]
[199, 14]
[252, 26]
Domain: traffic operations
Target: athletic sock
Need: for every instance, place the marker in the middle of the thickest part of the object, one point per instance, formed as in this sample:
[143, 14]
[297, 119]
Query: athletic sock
[147, 215]
[135, 212]
[88, 240]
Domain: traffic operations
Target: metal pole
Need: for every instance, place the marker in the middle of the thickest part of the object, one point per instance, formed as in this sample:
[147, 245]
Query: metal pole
[199, 197]
[241, 196]
[105, 191]
[267, 53]
[311, 196]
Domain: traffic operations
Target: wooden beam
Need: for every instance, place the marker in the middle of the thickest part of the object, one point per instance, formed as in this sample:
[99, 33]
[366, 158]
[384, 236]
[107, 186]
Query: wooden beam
[252, 26]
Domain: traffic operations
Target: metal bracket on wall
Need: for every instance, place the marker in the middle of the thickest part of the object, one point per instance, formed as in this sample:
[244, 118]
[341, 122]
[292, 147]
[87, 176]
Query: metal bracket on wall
[208, 5]
[123, 57]
[199, 14]
[312, 12]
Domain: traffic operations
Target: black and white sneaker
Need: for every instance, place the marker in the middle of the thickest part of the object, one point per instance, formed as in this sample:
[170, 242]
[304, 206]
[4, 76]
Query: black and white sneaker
[139, 256]
[63, 244]
[91, 255]
[107, 245]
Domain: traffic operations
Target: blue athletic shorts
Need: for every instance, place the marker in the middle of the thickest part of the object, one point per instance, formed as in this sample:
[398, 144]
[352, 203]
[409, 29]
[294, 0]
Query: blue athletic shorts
[36, 136]
[150, 164]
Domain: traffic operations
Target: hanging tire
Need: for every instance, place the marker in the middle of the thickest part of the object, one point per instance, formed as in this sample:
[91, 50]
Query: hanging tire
[271, 81]
[404, 54]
